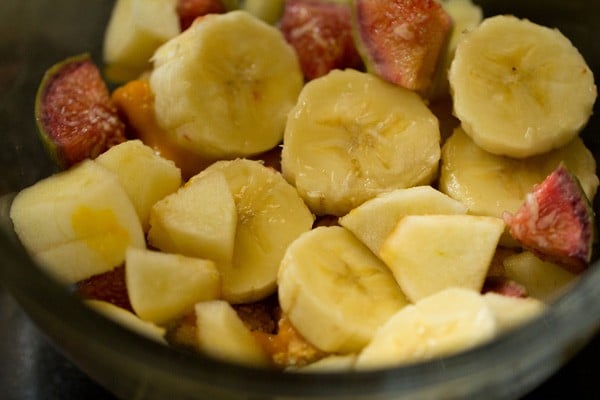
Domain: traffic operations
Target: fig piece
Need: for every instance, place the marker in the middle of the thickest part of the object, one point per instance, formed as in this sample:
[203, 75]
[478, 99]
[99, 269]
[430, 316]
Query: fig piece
[189, 10]
[556, 221]
[74, 113]
[321, 34]
[109, 286]
[402, 40]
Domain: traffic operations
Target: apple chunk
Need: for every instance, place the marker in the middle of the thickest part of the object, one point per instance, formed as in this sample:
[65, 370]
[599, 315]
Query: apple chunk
[165, 286]
[145, 176]
[428, 253]
[199, 220]
[375, 219]
[77, 223]
[222, 334]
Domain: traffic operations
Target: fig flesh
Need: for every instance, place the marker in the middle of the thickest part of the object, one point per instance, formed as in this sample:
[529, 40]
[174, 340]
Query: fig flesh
[556, 221]
[74, 113]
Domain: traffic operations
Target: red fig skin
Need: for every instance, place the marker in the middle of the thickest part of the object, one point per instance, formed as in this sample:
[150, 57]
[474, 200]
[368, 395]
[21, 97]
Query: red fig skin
[321, 34]
[74, 113]
[189, 10]
[556, 222]
[402, 40]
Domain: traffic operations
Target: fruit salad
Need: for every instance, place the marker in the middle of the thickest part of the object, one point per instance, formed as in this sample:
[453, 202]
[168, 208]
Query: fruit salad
[316, 185]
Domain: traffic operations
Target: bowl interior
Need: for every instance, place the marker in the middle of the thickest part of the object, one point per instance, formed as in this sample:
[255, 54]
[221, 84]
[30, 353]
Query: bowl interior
[35, 34]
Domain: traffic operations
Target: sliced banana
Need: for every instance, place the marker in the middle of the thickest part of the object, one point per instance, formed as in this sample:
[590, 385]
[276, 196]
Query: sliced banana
[374, 220]
[519, 88]
[447, 322]
[335, 291]
[223, 88]
[270, 216]
[352, 136]
[489, 184]
[429, 253]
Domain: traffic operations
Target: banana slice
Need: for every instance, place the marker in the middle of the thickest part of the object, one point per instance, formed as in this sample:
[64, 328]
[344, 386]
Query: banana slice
[223, 88]
[335, 291]
[270, 215]
[374, 220]
[519, 88]
[447, 322]
[352, 136]
[489, 184]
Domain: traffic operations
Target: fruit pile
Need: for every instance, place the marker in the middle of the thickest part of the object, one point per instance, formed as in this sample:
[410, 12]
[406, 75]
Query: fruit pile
[282, 183]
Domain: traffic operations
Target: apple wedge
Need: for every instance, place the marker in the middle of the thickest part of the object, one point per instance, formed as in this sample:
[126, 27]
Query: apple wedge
[128, 320]
[163, 286]
[222, 334]
[198, 220]
[544, 280]
[136, 28]
[429, 253]
[375, 219]
[77, 223]
[145, 176]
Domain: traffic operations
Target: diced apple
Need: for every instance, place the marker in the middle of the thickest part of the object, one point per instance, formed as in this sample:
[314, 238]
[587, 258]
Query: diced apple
[128, 320]
[165, 286]
[77, 223]
[146, 176]
[136, 28]
[375, 219]
[199, 220]
[544, 280]
[429, 253]
[222, 334]
[510, 312]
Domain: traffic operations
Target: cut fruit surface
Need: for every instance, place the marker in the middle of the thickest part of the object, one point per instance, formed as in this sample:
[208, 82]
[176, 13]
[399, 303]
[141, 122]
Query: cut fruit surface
[429, 253]
[556, 221]
[74, 113]
[402, 41]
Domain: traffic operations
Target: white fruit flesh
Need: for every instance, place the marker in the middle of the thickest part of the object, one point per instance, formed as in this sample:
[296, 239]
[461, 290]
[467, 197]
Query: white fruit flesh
[223, 88]
[135, 30]
[352, 136]
[199, 220]
[429, 253]
[77, 223]
[520, 89]
[223, 335]
[447, 322]
[145, 176]
[270, 215]
[511, 312]
[335, 291]
[489, 184]
[544, 280]
[128, 320]
[163, 286]
[375, 219]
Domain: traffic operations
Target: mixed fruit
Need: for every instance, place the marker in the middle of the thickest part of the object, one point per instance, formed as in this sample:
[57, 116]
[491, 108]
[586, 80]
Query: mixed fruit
[315, 184]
